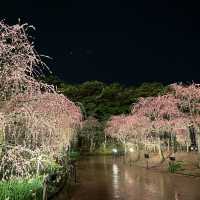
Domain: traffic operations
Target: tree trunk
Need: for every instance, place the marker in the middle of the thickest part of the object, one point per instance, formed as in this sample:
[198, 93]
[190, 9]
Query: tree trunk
[187, 146]
[174, 145]
[91, 145]
[38, 166]
[105, 142]
[160, 150]
[1, 141]
[168, 145]
[125, 149]
[198, 141]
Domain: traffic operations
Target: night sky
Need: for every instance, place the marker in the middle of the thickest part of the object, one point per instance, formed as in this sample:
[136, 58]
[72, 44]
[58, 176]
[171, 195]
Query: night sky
[114, 41]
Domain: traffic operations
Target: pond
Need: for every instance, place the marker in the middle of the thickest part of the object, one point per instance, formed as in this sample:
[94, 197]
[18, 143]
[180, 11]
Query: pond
[106, 178]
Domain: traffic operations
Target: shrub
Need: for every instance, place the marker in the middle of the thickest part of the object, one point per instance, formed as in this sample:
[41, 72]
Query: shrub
[21, 189]
[175, 166]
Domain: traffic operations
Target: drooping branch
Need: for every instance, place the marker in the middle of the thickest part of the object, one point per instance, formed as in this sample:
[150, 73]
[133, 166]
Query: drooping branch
[20, 64]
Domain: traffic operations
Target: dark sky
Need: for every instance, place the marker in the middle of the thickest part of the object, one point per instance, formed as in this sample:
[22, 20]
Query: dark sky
[114, 41]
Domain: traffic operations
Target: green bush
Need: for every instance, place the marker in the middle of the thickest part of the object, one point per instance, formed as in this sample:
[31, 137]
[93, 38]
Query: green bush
[53, 168]
[74, 155]
[175, 166]
[21, 189]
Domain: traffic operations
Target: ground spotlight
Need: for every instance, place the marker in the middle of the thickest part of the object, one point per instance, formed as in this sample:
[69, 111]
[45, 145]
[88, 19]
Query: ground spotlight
[131, 150]
[114, 150]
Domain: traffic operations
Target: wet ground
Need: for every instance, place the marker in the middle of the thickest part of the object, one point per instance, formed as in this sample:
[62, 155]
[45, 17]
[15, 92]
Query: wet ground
[105, 178]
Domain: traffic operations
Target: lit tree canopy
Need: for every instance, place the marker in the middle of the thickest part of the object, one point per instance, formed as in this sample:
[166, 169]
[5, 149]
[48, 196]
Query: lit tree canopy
[19, 62]
[127, 127]
[35, 117]
[160, 107]
[47, 120]
[158, 115]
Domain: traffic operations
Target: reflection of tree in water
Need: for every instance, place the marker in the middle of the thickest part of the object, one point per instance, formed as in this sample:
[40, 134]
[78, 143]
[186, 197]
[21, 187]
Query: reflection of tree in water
[115, 180]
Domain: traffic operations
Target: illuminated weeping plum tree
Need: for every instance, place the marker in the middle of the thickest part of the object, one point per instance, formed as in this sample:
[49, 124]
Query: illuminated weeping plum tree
[156, 119]
[115, 129]
[161, 107]
[137, 127]
[37, 120]
[163, 111]
[189, 96]
[49, 121]
[180, 126]
[90, 134]
[127, 128]
[20, 64]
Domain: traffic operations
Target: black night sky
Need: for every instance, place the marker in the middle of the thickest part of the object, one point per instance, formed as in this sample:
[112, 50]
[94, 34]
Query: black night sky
[114, 41]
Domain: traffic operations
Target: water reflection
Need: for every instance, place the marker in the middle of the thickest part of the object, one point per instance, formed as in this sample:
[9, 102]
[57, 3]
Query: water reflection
[128, 178]
[102, 178]
[115, 181]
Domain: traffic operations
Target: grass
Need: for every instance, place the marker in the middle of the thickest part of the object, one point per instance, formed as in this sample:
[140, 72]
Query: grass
[31, 189]
[21, 189]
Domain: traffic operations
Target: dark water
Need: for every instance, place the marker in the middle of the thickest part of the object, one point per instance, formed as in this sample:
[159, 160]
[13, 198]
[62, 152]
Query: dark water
[104, 178]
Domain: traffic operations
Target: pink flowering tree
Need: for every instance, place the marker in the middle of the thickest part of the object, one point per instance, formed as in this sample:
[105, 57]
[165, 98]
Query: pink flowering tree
[20, 64]
[161, 107]
[90, 136]
[181, 127]
[131, 128]
[115, 128]
[47, 121]
[161, 111]
[164, 120]
[1, 131]
[137, 127]
[196, 126]
[189, 96]
[37, 119]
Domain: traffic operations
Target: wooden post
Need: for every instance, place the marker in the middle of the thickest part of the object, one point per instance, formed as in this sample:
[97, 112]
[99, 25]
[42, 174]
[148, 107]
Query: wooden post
[146, 156]
[73, 169]
[147, 164]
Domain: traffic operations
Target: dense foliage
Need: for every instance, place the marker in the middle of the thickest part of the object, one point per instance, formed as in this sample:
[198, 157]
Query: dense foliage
[22, 189]
[101, 100]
